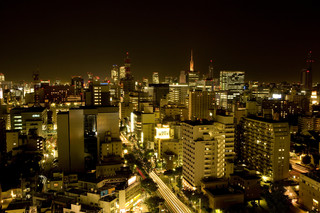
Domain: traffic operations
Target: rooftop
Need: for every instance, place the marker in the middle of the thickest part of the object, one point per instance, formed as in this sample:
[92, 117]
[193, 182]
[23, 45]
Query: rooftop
[29, 109]
[223, 191]
[265, 119]
[199, 122]
[246, 175]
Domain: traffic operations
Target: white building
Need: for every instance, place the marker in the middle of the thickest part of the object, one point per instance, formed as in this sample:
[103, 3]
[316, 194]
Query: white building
[203, 152]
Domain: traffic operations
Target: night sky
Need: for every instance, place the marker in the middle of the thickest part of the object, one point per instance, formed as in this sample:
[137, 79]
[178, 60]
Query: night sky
[268, 40]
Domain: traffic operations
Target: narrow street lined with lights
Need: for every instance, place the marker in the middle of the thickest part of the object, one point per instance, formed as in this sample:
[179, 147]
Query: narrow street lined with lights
[175, 204]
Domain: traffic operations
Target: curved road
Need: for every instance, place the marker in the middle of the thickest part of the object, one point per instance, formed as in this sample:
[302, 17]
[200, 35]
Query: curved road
[175, 204]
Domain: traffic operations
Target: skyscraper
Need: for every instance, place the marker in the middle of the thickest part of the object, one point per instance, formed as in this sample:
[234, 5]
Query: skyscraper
[199, 104]
[128, 81]
[78, 84]
[203, 152]
[115, 73]
[182, 77]
[155, 78]
[192, 76]
[191, 62]
[265, 146]
[210, 73]
[306, 74]
[2, 77]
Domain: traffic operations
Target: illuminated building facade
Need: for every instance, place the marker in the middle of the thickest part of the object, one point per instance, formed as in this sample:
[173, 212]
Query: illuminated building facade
[265, 146]
[203, 152]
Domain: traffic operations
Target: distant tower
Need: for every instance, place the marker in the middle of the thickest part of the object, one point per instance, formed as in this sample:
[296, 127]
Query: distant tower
[127, 64]
[2, 77]
[155, 78]
[192, 76]
[90, 76]
[115, 73]
[210, 74]
[182, 77]
[78, 83]
[127, 82]
[37, 85]
[306, 74]
[191, 62]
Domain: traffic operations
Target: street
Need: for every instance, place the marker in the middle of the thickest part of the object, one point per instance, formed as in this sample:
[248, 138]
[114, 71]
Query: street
[175, 204]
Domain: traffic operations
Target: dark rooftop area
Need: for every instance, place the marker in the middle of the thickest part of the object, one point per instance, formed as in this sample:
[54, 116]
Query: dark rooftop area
[223, 191]
[199, 122]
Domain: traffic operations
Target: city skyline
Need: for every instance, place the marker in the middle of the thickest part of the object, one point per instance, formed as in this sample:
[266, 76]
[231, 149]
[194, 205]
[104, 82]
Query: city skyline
[65, 39]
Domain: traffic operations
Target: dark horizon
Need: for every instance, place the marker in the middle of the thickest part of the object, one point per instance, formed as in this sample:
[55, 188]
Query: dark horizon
[267, 41]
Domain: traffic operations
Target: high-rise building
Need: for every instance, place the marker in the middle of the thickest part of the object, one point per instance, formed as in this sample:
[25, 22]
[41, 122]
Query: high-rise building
[160, 91]
[24, 119]
[203, 152]
[199, 104]
[306, 74]
[127, 82]
[192, 76]
[225, 125]
[98, 94]
[155, 78]
[36, 85]
[265, 146]
[178, 94]
[122, 72]
[309, 194]
[115, 73]
[80, 133]
[78, 84]
[210, 73]
[2, 77]
[232, 80]
[182, 77]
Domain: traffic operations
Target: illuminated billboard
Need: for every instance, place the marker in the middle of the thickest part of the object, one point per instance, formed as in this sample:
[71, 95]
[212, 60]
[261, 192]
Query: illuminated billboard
[276, 96]
[132, 180]
[163, 133]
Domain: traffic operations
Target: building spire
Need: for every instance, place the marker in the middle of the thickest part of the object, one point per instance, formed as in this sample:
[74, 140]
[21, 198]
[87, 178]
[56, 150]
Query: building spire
[191, 62]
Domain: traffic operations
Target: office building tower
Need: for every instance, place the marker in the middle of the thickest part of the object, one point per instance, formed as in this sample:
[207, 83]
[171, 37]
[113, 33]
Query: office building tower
[210, 72]
[90, 76]
[225, 125]
[265, 146]
[2, 77]
[203, 152]
[232, 81]
[145, 82]
[122, 72]
[192, 78]
[36, 86]
[182, 77]
[309, 194]
[178, 94]
[168, 79]
[160, 91]
[26, 119]
[199, 104]
[306, 74]
[81, 133]
[127, 82]
[115, 73]
[98, 94]
[77, 83]
[155, 78]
